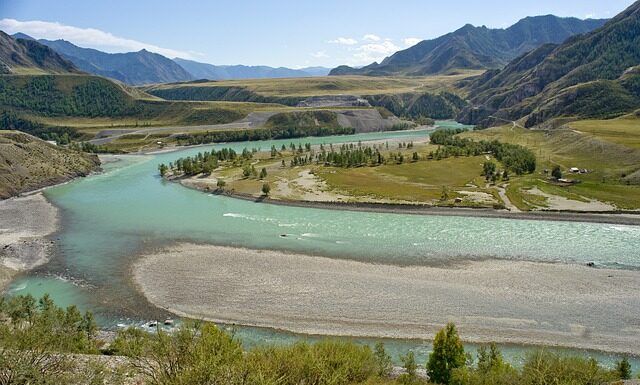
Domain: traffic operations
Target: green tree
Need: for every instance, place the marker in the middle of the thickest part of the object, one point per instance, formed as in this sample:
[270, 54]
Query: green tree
[448, 354]
[263, 173]
[221, 183]
[383, 359]
[445, 194]
[556, 172]
[623, 369]
[409, 363]
[163, 169]
[266, 189]
[488, 169]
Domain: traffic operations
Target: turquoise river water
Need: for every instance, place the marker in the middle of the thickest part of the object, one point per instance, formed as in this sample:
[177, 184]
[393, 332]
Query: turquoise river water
[109, 218]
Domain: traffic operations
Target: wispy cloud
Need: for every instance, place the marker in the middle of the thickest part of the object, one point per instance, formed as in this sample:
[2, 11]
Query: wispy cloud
[411, 41]
[371, 37]
[344, 41]
[86, 37]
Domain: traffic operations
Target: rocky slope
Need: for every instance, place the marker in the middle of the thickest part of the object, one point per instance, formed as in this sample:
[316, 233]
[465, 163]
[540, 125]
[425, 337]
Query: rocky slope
[28, 163]
[25, 55]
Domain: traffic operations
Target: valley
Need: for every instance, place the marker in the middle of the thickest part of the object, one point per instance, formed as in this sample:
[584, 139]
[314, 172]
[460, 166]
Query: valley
[488, 177]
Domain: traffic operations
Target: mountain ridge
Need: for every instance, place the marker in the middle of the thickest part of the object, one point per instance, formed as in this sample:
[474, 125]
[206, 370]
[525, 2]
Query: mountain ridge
[231, 72]
[471, 47]
[590, 75]
[23, 54]
[134, 68]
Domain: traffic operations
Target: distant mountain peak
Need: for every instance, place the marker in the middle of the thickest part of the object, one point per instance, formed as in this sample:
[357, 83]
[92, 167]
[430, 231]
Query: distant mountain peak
[476, 47]
[227, 72]
[21, 35]
[588, 76]
[134, 68]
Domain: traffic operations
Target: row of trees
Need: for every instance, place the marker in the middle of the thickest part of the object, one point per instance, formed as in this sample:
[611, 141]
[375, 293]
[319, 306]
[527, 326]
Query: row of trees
[37, 339]
[61, 135]
[261, 134]
[205, 162]
[517, 159]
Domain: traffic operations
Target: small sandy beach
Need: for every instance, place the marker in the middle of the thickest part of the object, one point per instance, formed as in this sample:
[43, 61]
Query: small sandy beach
[25, 222]
[503, 301]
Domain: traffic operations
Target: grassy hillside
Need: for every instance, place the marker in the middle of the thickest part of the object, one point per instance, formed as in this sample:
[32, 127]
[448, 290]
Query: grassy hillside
[28, 163]
[410, 97]
[624, 130]
[303, 88]
[88, 102]
[609, 163]
[589, 76]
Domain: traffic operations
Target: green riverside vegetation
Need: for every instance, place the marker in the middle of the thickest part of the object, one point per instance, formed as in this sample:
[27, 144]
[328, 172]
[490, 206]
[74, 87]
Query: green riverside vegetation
[515, 158]
[243, 135]
[41, 343]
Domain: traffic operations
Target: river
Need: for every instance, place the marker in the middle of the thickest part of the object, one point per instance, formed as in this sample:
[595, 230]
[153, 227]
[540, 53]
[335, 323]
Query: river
[109, 218]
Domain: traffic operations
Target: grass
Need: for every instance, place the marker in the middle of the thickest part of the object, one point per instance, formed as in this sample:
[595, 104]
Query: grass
[624, 130]
[168, 114]
[606, 160]
[421, 181]
[335, 85]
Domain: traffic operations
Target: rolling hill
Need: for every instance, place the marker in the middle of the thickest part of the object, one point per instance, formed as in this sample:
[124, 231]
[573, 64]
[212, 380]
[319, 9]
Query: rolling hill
[473, 47]
[595, 75]
[27, 56]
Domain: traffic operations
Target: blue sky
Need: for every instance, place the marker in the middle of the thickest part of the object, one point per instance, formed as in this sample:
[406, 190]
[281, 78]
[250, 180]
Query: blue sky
[277, 33]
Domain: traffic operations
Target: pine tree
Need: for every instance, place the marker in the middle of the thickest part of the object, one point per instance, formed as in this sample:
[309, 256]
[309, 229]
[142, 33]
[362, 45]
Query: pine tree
[623, 368]
[448, 354]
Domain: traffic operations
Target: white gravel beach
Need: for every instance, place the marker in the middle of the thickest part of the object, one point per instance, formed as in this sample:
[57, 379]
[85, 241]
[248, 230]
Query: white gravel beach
[494, 300]
[25, 222]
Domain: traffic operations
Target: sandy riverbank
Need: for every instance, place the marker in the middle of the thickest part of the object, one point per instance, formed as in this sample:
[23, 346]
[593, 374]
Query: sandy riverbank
[25, 222]
[616, 218]
[502, 301]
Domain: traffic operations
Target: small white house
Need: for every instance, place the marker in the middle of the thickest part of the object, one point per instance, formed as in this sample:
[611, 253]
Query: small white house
[574, 170]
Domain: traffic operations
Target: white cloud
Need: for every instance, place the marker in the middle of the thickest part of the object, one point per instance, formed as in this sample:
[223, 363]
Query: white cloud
[411, 41]
[589, 16]
[369, 53]
[371, 37]
[85, 37]
[344, 41]
[320, 54]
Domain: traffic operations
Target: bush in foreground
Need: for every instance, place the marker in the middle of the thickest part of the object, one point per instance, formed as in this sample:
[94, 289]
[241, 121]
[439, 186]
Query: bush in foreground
[41, 343]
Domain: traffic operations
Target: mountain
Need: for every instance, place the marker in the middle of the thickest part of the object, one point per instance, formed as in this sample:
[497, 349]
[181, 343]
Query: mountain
[133, 68]
[476, 47]
[591, 75]
[229, 72]
[24, 55]
[316, 71]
